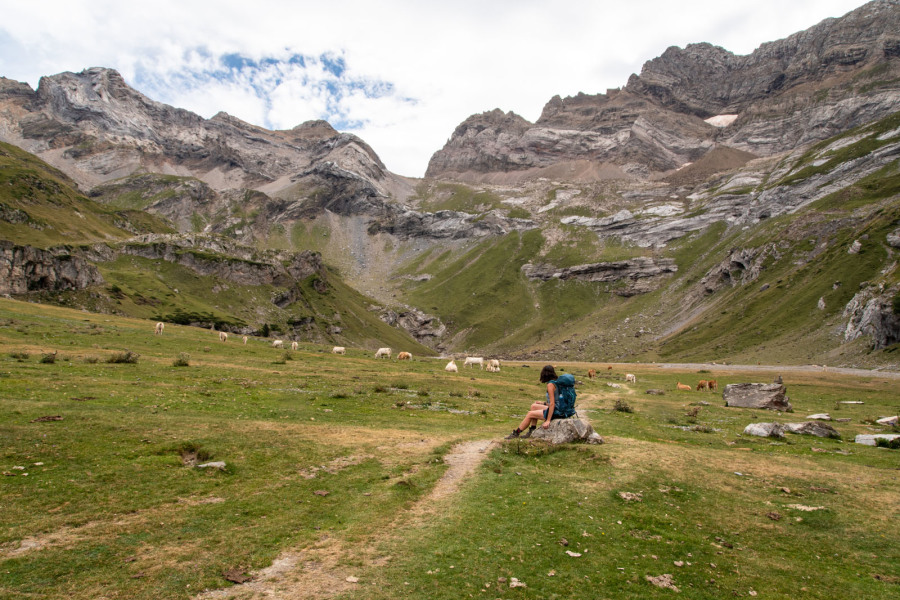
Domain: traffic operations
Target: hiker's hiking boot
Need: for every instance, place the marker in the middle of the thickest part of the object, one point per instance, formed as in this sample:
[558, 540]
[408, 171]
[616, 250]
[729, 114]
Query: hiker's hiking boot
[514, 434]
[529, 432]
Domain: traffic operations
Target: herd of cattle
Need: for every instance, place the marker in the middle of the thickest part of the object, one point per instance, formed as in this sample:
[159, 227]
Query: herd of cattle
[491, 365]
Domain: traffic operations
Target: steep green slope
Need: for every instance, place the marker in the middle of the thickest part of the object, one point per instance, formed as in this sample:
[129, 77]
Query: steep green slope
[39, 206]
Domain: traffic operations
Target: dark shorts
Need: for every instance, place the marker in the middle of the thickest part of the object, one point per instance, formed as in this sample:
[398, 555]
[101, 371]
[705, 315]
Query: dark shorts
[555, 416]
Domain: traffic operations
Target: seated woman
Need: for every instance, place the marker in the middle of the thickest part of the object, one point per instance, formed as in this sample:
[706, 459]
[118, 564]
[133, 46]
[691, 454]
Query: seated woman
[540, 411]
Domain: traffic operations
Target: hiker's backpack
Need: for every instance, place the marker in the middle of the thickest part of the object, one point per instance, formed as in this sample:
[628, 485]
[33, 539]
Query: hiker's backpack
[565, 396]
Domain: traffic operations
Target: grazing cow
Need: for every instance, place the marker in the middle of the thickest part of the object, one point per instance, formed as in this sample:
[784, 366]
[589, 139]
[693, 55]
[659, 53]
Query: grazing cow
[278, 344]
[383, 353]
[684, 387]
[245, 340]
[702, 385]
[609, 368]
[451, 367]
[294, 345]
[592, 373]
[159, 328]
[404, 356]
[339, 350]
[713, 385]
[474, 360]
[223, 337]
[630, 378]
[493, 365]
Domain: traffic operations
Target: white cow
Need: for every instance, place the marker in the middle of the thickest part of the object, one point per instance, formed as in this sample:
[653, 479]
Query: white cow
[278, 344]
[451, 367]
[383, 352]
[159, 328]
[223, 337]
[629, 377]
[493, 366]
[339, 350]
[474, 360]
[245, 340]
[294, 345]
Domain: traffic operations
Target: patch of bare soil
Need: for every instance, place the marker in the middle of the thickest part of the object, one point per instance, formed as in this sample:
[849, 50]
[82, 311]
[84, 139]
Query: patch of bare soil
[717, 160]
[321, 572]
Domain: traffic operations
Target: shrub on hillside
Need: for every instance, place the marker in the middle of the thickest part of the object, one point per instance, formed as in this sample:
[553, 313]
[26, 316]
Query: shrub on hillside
[127, 357]
[183, 360]
[622, 406]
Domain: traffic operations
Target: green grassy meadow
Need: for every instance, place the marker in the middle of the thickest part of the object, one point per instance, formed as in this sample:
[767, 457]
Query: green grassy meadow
[334, 467]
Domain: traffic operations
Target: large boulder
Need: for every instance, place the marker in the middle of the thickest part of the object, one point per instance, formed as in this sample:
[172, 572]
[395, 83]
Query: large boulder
[816, 428]
[757, 395]
[566, 431]
[775, 430]
[872, 439]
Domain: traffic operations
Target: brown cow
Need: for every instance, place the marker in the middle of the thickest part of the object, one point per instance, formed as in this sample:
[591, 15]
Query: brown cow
[713, 385]
[404, 356]
[684, 387]
[703, 385]
[592, 373]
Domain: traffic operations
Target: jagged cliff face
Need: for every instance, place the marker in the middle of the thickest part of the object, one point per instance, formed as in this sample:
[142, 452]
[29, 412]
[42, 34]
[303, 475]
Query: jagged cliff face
[811, 86]
[96, 128]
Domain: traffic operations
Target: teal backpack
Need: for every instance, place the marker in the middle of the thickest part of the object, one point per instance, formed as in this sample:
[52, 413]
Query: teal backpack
[565, 396]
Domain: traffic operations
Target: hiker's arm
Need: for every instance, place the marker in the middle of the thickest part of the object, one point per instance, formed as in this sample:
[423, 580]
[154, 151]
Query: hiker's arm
[551, 393]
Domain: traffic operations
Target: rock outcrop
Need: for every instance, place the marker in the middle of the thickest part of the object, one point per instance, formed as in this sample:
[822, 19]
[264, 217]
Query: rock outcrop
[637, 275]
[26, 269]
[874, 312]
[757, 395]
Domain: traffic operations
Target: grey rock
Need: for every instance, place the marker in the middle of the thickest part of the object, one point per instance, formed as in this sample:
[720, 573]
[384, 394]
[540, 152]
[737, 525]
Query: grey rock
[636, 273]
[815, 428]
[871, 313]
[757, 395]
[25, 269]
[655, 392]
[219, 464]
[895, 420]
[820, 417]
[775, 430]
[566, 431]
[869, 440]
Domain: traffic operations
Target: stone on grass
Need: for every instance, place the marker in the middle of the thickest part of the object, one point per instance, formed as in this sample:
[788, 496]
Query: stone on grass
[664, 581]
[820, 417]
[219, 464]
[655, 392]
[815, 428]
[757, 395]
[775, 430]
[889, 420]
[869, 440]
[566, 431]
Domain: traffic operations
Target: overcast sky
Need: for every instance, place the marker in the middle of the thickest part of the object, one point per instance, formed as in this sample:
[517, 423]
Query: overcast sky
[401, 74]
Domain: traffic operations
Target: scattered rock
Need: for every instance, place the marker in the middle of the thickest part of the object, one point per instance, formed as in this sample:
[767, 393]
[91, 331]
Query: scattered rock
[820, 417]
[47, 418]
[774, 516]
[757, 395]
[869, 440]
[219, 464]
[631, 497]
[775, 430]
[573, 554]
[237, 575]
[352, 579]
[322, 493]
[664, 581]
[805, 508]
[515, 583]
[815, 428]
[889, 421]
[655, 392]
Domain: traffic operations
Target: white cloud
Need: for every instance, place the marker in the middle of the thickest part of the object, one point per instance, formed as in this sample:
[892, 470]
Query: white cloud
[443, 61]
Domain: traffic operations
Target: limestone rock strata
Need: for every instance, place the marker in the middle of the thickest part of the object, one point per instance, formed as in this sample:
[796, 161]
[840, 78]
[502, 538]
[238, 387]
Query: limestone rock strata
[638, 275]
